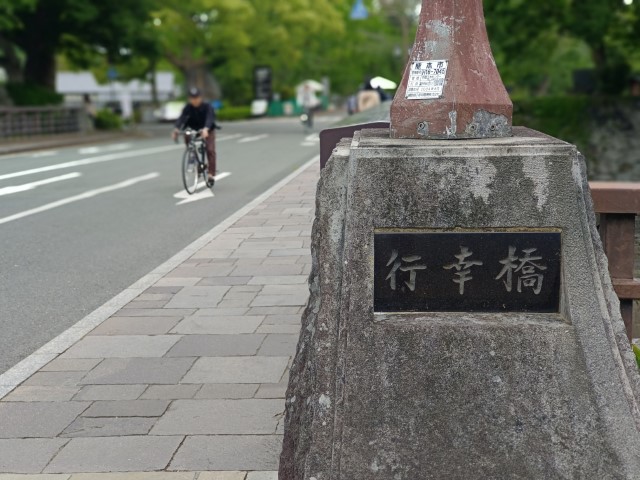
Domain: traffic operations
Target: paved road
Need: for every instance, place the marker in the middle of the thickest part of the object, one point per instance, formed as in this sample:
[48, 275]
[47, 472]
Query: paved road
[79, 225]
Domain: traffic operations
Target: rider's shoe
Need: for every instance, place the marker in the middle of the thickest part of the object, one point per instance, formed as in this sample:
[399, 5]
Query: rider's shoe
[211, 180]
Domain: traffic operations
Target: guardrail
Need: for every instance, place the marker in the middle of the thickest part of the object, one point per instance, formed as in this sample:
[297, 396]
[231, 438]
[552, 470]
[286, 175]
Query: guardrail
[617, 203]
[28, 121]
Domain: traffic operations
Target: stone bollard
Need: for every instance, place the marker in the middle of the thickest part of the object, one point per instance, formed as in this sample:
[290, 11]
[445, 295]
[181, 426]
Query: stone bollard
[462, 323]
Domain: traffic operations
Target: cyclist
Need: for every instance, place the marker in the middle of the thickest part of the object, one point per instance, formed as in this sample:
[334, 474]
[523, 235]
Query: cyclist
[199, 115]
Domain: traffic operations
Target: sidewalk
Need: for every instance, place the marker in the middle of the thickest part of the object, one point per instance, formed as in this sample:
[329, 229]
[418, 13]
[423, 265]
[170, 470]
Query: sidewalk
[184, 374]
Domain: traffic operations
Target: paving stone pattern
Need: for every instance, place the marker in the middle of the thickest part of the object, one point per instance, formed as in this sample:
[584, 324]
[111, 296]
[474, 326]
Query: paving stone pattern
[188, 380]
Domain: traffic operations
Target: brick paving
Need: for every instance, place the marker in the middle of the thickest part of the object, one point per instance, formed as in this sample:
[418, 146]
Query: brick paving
[187, 381]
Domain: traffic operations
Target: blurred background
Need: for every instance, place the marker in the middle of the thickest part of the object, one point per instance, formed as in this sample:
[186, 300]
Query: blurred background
[572, 67]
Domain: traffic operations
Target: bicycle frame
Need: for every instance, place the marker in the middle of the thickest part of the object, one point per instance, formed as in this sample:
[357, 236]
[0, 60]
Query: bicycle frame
[196, 148]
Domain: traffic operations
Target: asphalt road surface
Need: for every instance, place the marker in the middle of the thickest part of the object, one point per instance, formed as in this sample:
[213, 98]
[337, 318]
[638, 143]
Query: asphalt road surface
[79, 225]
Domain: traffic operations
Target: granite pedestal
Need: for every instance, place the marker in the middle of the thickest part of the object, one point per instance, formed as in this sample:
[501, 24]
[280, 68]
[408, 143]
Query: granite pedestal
[426, 394]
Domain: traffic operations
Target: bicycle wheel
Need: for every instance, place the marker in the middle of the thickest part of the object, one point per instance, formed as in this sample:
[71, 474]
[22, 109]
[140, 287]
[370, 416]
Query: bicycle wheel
[190, 173]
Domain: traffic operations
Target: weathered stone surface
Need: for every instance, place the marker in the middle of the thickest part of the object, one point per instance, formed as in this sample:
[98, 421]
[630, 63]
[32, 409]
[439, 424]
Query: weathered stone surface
[228, 452]
[37, 419]
[440, 395]
[122, 454]
[220, 417]
[108, 427]
[28, 455]
[134, 371]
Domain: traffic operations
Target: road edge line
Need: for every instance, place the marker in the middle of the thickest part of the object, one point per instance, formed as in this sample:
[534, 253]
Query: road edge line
[24, 369]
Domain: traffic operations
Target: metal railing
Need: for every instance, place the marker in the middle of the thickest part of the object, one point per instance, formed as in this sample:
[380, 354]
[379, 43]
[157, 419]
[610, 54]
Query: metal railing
[28, 121]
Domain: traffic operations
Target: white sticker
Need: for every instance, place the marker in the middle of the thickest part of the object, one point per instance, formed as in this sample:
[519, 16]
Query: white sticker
[426, 79]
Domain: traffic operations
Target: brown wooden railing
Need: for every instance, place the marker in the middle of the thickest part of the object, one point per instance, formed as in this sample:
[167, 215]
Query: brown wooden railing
[28, 121]
[618, 203]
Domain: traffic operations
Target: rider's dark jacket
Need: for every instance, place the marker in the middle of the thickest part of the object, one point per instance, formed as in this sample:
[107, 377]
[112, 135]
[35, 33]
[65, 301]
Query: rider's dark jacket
[197, 118]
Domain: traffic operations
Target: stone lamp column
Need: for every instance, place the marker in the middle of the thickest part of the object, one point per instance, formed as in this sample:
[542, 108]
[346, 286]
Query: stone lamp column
[451, 88]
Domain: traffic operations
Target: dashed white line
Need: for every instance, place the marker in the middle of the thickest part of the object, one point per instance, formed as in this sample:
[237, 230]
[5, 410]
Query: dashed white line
[77, 198]
[224, 138]
[30, 186]
[253, 139]
[88, 161]
[106, 148]
[48, 153]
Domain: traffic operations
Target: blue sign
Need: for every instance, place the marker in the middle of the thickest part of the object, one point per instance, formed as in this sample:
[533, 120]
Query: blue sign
[112, 74]
[359, 11]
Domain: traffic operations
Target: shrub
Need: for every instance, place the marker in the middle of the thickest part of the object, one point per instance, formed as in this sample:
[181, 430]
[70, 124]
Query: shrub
[107, 120]
[30, 95]
[233, 113]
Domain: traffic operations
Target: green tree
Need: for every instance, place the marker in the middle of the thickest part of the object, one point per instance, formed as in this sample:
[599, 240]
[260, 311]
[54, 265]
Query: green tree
[201, 36]
[78, 28]
[8, 18]
[291, 37]
[524, 36]
[612, 30]
[537, 45]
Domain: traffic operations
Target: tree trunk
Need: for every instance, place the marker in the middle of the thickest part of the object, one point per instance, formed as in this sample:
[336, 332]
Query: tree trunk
[40, 68]
[154, 84]
[599, 56]
[39, 41]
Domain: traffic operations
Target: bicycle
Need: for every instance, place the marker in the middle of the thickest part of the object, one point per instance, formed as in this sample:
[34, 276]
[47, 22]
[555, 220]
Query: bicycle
[194, 162]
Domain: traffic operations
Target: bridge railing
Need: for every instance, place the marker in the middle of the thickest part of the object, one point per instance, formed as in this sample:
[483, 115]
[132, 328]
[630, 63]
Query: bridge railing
[618, 204]
[17, 122]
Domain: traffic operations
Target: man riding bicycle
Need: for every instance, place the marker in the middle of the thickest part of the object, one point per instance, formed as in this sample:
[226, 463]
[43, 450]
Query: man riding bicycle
[199, 115]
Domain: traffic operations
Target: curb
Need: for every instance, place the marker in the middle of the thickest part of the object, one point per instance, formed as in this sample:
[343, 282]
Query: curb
[45, 354]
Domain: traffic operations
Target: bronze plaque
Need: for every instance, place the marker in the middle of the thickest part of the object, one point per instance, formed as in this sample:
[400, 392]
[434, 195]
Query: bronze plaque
[467, 272]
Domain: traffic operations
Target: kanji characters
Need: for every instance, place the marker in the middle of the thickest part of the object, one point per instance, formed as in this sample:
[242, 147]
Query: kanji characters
[404, 264]
[463, 266]
[528, 271]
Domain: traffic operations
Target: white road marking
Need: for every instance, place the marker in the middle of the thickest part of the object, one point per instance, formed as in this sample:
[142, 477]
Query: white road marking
[204, 192]
[253, 139]
[82, 196]
[106, 148]
[224, 138]
[48, 153]
[311, 140]
[88, 161]
[30, 186]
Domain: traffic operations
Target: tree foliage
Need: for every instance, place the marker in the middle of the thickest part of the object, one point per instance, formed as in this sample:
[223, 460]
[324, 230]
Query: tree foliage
[9, 13]
[216, 44]
[537, 45]
[81, 29]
